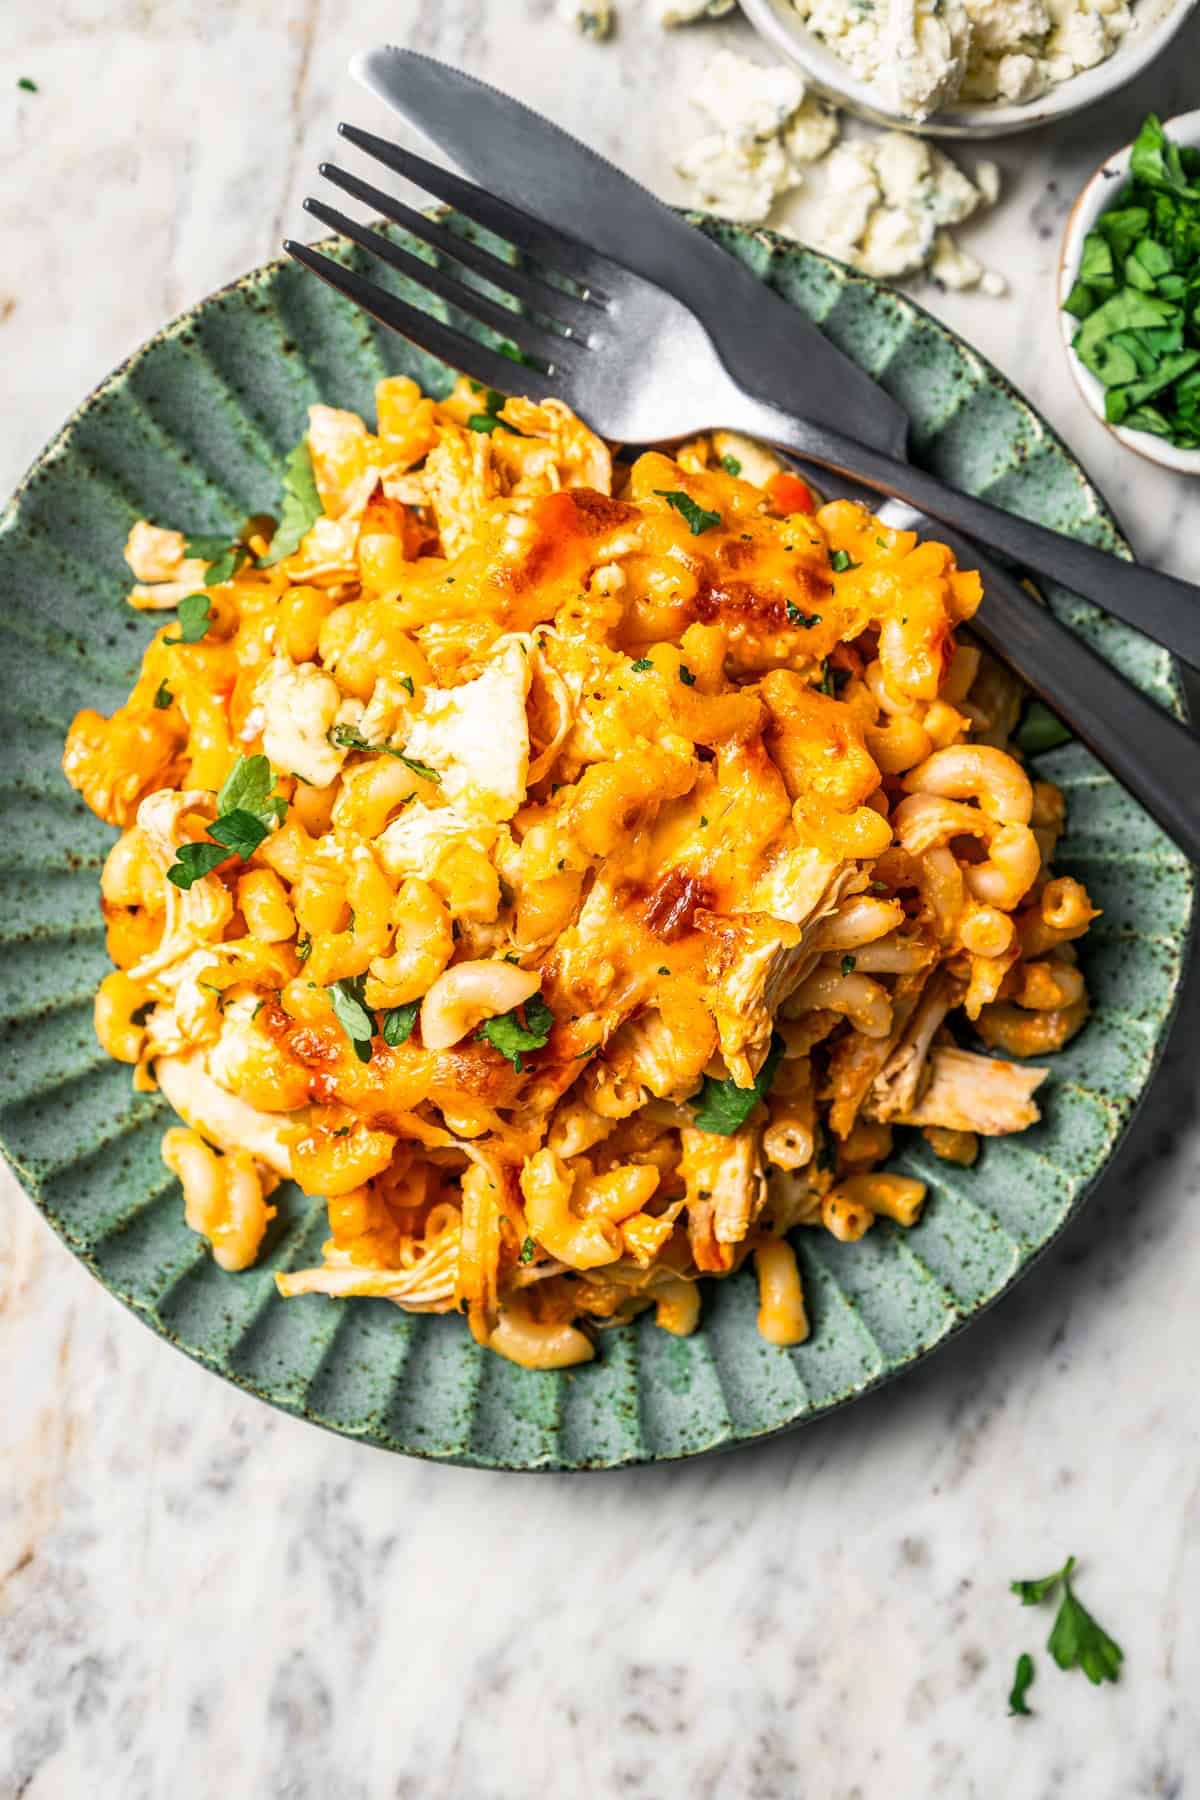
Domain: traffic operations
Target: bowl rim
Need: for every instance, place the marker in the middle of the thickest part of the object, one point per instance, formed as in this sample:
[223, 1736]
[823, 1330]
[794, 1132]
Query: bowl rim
[1093, 200]
[781, 26]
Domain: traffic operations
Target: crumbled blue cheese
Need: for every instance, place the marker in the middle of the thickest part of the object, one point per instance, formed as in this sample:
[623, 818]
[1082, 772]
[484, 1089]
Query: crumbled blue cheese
[736, 180]
[593, 20]
[477, 737]
[300, 705]
[747, 100]
[922, 55]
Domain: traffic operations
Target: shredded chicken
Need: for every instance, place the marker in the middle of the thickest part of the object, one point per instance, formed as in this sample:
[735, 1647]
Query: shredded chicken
[967, 1092]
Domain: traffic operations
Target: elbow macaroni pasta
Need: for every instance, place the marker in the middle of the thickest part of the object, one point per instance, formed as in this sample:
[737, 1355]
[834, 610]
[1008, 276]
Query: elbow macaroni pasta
[632, 831]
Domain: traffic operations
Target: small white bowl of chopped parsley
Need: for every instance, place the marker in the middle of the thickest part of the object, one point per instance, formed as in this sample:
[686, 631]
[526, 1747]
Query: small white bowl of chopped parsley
[1129, 293]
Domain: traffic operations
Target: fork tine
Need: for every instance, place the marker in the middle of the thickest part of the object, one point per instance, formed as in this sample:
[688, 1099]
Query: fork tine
[553, 302]
[449, 346]
[555, 251]
[547, 346]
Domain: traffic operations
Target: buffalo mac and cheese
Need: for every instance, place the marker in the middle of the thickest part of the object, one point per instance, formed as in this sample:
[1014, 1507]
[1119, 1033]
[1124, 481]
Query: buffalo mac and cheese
[574, 869]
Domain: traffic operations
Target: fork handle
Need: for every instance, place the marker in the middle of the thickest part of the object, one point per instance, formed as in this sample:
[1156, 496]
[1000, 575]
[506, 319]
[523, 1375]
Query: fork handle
[1162, 606]
[1154, 757]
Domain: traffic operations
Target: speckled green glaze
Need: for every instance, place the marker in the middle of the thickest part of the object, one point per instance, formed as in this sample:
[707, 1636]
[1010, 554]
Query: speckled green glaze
[192, 431]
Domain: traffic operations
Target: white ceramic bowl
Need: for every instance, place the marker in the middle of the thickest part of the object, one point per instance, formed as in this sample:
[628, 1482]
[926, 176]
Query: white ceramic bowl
[1096, 198]
[1155, 24]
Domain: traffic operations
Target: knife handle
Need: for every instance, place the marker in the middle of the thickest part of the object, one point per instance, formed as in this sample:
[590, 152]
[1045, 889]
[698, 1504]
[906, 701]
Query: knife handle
[1162, 606]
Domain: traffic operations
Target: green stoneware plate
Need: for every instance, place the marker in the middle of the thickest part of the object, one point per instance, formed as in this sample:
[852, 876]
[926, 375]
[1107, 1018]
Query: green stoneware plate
[193, 431]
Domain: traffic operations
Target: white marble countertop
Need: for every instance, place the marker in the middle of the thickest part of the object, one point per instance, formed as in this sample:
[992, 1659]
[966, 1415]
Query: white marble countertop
[201, 1596]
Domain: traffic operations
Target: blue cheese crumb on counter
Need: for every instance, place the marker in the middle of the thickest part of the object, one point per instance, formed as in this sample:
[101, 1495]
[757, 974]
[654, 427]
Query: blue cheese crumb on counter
[594, 19]
[885, 203]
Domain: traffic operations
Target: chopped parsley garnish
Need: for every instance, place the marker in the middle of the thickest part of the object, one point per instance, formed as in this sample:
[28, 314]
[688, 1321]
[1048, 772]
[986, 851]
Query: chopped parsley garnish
[350, 1011]
[641, 665]
[301, 506]
[1039, 730]
[825, 685]
[140, 1014]
[663, 969]
[696, 518]
[686, 676]
[731, 465]
[303, 948]
[526, 1027]
[398, 1023]
[195, 617]
[1076, 1641]
[797, 617]
[164, 697]
[406, 682]
[527, 1250]
[28, 85]
[839, 562]
[848, 963]
[247, 811]
[1137, 290]
[347, 737]
[223, 556]
[1022, 1680]
[722, 1106]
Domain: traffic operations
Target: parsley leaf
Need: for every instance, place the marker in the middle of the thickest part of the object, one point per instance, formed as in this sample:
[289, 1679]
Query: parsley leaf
[192, 861]
[686, 676]
[398, 1023]
[349, 1009]
[722, 1106]
[195, 617]
[485, 422]
[301, 506]
[527, 1250]
[406, 682]
[697, 518]
[346, 737]
[731, 465]
[1022, 1679]
[641, 665]
[1076, 1640]
[164, 697]
[839, 561]
[848, 963]
[240, 831]
[27, 85]
[796, 617]
[510, 1036]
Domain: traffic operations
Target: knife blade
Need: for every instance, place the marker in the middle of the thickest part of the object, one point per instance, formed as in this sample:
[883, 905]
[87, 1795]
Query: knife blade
[764, 342]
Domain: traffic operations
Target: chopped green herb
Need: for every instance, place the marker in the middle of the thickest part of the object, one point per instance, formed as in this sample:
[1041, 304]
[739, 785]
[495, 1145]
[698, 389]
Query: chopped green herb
[825, 685]
[350, 1011]
[246, 812]
[703, 820]
[523, 1028]
[686, 676]
[398, 1023]
[342, 1131]
[663, 969]
[797, 617]
[1022, 1680]
[406, 682]
[696, 518]
[140, 1014]
[303, 948]
[722, 1106]
[641, 665]
[527, 1250]
[301, 506]
[347, 737]
[878, 887]
[839, 562]
[195, 617]
[1137, 293]
[731, 465]
[482, 422]
[1076, 1640]
[848, 963]
[28, 85]
[164, 697]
